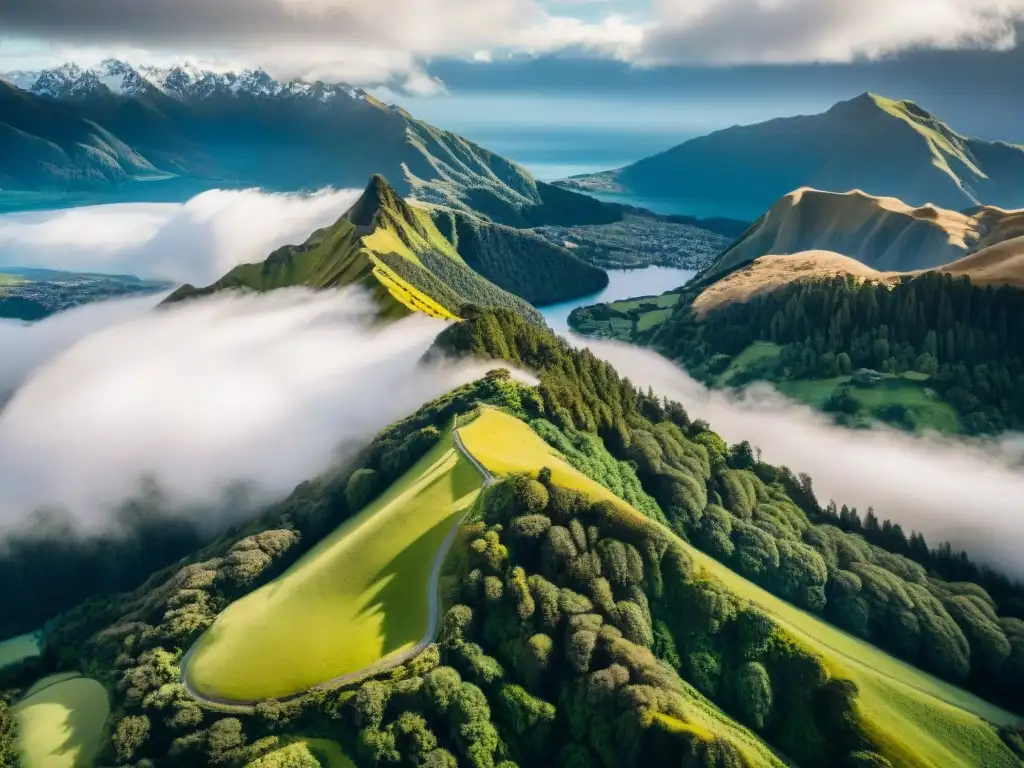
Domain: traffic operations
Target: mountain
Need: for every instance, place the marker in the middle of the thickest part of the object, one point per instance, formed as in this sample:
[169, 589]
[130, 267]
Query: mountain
[575, 572]
[885, 147]
[395, 250]
[32, 294]
[881, 232]
[76, 130]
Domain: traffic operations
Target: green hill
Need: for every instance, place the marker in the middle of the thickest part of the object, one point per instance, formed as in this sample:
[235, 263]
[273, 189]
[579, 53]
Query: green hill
[884, 147]
[383, 244]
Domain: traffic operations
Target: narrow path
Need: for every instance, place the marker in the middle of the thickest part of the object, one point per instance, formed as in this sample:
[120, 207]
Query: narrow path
[389, 662]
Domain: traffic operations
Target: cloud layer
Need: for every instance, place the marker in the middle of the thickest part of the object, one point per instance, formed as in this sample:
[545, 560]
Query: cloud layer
[792, 31]
[965, 493]
[264, 389]
[356, 40]
[195, 242]
[26, 346]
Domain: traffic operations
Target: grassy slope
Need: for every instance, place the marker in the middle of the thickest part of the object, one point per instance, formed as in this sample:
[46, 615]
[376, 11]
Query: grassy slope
[61, 724]
[17, 649]
[354, 599]
[623, 319]
[915, 718]
[349, 253]
[909, 390]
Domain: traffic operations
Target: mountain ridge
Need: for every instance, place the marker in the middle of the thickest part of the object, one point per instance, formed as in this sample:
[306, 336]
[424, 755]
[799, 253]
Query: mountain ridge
[250, 130]
[884, 146]
[396, 251]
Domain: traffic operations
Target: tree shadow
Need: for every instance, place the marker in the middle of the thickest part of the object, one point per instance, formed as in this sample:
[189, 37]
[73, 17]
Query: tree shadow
[402, 625]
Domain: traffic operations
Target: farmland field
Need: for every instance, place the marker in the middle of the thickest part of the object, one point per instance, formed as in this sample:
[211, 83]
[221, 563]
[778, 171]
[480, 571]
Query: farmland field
[61, 724]
[915, 718]
[357, 598]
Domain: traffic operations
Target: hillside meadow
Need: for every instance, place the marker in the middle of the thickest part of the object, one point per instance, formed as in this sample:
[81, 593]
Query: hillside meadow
[364, 594]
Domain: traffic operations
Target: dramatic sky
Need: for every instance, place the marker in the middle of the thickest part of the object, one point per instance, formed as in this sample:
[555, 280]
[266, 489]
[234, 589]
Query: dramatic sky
[686, 65]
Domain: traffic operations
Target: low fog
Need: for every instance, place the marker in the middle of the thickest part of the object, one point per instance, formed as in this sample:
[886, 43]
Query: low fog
[25, 346]
[193, 242]
[264, 389]
[965, 492]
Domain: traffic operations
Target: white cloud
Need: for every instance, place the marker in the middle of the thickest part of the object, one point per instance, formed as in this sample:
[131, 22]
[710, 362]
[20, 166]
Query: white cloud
[28, 345]
[356, 41]
[790, 31]
[950, 490]
[265, 388]
[196, 242]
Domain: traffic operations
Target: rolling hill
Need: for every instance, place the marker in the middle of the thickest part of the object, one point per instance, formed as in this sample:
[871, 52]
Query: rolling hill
[396, 250]
[885, 147]
[135, 134]
[883, 233]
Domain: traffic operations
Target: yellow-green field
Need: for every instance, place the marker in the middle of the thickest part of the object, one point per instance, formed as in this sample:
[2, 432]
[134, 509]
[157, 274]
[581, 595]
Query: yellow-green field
[622, 319]
[18, 649]
[916, 719]
[61, 724]
[358, 597]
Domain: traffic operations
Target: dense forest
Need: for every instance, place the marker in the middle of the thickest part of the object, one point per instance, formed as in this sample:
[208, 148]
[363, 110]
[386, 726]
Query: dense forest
[969, 340]
[887, 586]
[573, 634]
[520, 261]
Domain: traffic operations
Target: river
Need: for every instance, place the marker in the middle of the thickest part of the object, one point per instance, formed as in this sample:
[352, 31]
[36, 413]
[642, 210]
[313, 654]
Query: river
[622, 284]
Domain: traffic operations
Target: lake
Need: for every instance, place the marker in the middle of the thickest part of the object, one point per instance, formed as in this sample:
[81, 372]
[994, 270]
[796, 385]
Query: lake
[622, 284]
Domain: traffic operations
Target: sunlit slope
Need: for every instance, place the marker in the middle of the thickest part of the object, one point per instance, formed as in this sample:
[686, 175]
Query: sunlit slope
[880, 145]
[61, 723]
[916, 719]
[390, 248]
[359, 596]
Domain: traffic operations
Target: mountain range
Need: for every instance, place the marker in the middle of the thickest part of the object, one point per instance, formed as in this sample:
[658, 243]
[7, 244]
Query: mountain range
[130, 133]
[880, 145]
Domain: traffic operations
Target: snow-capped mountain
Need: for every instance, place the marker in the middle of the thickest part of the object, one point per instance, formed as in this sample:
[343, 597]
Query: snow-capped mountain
[184, 81]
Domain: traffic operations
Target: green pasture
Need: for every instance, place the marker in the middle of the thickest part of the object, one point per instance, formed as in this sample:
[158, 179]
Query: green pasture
[61, 722]
[360, 596]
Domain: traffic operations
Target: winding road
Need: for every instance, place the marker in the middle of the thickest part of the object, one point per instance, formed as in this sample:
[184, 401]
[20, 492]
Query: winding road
[389, 662]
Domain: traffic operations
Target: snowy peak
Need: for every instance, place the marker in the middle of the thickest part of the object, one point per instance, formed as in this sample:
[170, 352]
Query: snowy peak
[185, 81]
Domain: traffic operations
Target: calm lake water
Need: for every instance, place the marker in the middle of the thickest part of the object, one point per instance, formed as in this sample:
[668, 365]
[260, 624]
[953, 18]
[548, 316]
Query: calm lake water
[622, 284]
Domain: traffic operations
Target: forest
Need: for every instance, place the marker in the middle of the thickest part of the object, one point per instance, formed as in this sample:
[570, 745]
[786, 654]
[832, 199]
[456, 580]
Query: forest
[887, 586]
[573, 635]
[968, 340]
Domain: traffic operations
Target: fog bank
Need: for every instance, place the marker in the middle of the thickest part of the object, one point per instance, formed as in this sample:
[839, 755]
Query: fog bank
[192, 242]
[266, 388]
[24, 346]
[966, 492]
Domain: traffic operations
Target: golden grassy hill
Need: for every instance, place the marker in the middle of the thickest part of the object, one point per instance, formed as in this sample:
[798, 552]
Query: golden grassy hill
[882, 232]
[999, 264]
[769, 273]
